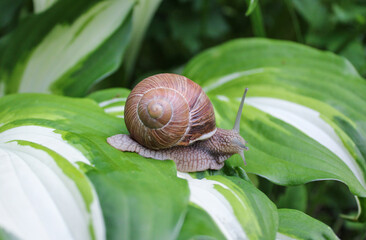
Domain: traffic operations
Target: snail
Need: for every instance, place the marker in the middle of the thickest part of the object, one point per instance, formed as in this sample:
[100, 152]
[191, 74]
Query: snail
[170, 117]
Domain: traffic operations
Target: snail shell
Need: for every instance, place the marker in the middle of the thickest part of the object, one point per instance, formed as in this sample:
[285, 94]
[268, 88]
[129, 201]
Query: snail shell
[167, 110]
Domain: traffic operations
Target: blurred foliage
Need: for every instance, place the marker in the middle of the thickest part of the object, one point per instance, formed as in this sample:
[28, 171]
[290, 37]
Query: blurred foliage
[9, 14]
[183, 28]
[338, 26]
[327, 201]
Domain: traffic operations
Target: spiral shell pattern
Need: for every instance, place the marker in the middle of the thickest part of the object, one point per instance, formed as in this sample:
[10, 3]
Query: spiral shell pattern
[167, 110]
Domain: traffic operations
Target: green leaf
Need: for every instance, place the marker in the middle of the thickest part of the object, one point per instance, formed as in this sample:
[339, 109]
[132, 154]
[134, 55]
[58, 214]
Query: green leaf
[4, 235]
[355, 52]
[294, 224]
[140, 205]
[67, 48]
[48, 141]
[51, 195]
[303, 119]
[349, 12]
[142, 15]
[362, 208]
[256, 19]
[238, 208]
[294, 197]
[251, 6]
[112, 100]
[199, 225]
[314, 12]
[9, 10]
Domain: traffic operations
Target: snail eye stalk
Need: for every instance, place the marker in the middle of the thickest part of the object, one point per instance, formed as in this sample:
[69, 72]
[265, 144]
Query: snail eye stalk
[238, 115]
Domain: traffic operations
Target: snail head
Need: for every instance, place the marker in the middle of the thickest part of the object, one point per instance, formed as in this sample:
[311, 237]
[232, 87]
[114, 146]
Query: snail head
[228, 142]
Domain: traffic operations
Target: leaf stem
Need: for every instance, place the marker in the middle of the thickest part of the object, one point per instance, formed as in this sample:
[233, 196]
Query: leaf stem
[257, 22]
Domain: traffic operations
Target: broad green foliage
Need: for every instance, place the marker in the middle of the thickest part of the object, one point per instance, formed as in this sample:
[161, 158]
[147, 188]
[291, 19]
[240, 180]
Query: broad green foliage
[258, 216]
[197, 224]
[248, 209]
[54, 140]
[298, 225]
[301, 121]
[112, 100]
[67, 48]
[138, 205]
[237, 207]
[35, 179]
[51, 141]
[304, 119]
[213, 197]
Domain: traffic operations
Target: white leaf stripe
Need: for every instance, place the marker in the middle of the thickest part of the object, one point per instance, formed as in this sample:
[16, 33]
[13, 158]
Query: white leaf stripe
[114, 109]
[230, 77]
[45, 137]
[114, 100]
[223, 98]
[97, 219]
[42, 5]
[215, 204]
[2, 88]
[281, 236]
[309, 122]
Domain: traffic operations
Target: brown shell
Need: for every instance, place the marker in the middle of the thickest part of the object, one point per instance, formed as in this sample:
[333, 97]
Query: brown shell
[166, 110]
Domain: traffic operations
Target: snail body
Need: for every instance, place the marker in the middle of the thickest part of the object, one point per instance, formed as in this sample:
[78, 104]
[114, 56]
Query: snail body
[169, 116]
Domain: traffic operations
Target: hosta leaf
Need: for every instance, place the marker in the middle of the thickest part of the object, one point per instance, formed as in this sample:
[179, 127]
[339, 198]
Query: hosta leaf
[67, 48]
[239, 210]
[198, 224]
[112, 100]
[47, 143]
[42, 195]
[303, 117]
[134, 203]
[294, 224]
